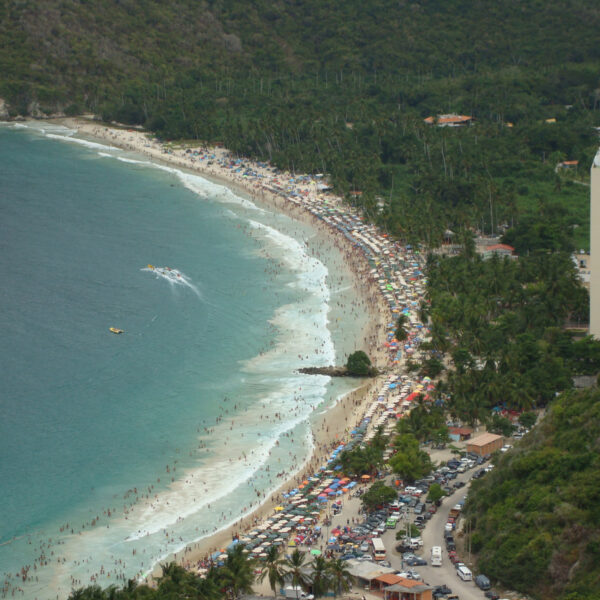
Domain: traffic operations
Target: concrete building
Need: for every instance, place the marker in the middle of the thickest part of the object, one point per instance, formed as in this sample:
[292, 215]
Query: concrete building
[408, 589]
[583, 263]
[460, 434]
[595, 246]
[486, 443]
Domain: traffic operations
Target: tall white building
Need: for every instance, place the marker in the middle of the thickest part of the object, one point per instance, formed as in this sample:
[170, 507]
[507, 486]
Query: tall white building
[595, 247]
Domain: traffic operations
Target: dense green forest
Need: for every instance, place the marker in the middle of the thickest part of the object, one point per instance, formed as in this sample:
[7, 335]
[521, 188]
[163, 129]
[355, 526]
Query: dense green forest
[537, 514]
[499, 322]
[341, 88]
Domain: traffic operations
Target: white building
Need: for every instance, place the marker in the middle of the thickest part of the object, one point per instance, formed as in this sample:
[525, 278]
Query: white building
[595, 246]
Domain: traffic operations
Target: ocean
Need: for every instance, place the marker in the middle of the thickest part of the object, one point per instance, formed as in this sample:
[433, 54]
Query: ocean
[117, 450]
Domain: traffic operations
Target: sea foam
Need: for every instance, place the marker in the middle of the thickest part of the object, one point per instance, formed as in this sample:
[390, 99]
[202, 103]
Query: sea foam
[80, 141]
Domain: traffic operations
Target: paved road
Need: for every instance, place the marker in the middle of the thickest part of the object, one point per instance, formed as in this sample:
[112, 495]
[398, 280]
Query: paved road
[433, 535]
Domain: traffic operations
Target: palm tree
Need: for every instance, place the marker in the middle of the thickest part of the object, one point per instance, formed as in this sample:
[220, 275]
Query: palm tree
[340, 575]
[294, 565]
[320, 579]
[237, 575]
[273, 569]
[207, 588]
[175, 581]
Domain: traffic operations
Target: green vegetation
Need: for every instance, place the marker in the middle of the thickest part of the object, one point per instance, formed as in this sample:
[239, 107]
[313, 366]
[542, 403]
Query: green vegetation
[410, 462]
[500, 425]
[359, 365]
[410, 530]
[401, 322]
[527, 419]
[377, 495]
[343, 88]
[363, 460]
[500, 321]
[426, 423]
[436, 493]
[273, 569]
[233, 579]
[536, 516]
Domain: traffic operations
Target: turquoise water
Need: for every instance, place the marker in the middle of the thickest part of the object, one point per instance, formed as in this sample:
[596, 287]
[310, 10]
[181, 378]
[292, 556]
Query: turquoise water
[118, 449]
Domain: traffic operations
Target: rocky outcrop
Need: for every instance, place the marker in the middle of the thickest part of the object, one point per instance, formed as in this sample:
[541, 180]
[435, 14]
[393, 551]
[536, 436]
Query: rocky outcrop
[332, 371]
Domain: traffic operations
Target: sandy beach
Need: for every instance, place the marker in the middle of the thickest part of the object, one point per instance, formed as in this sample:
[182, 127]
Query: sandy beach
[303, 200]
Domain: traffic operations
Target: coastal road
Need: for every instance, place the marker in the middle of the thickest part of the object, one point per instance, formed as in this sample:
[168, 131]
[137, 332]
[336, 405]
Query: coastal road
[433, 535]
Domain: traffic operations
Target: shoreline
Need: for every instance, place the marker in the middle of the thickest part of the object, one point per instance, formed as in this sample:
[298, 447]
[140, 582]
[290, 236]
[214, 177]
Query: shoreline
[336, 421]
[380, 274]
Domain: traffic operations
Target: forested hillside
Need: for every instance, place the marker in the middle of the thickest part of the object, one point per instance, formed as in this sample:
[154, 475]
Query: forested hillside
[537, 514]
[342, 88]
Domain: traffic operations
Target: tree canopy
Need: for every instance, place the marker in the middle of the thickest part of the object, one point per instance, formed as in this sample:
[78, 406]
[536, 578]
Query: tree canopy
[535, 518]
[359, 364]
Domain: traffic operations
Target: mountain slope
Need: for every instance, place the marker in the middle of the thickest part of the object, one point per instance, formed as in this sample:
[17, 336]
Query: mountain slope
[536, 516]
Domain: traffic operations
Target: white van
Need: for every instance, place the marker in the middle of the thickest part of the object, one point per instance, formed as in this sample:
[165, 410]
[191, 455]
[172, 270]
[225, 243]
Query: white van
[436, 556]
[464, 573]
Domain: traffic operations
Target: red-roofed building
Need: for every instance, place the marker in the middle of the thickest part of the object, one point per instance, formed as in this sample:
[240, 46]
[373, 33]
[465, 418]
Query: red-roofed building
[450, 120]
[567, 164]
[385, 579]
[500, 250]
[407, 589]
[459, 434]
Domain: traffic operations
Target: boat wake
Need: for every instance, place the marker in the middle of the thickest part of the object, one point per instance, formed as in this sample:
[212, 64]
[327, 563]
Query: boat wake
[173, 276]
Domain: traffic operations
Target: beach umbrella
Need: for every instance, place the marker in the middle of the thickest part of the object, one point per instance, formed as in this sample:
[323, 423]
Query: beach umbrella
[315, 552]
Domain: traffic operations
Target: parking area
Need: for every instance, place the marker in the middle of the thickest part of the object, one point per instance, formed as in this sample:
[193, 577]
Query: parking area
[410, 558]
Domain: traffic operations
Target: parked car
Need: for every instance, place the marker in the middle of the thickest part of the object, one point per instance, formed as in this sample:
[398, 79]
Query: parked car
[482, 582]
[415, 561]
[492, 595]
[412, 574]
[441, 590]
